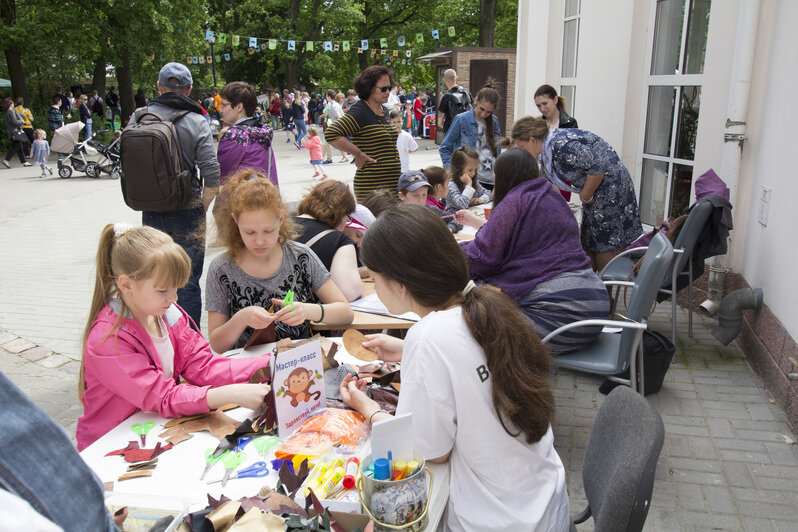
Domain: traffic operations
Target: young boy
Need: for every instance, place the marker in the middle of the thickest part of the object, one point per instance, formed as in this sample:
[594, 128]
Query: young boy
[413, 187]
[405, 143]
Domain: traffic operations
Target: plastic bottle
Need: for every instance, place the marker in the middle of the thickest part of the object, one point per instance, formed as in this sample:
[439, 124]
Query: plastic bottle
[352, 466]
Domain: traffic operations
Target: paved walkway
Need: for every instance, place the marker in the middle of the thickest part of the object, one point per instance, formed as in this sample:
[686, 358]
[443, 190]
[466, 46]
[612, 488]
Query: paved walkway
[729, 461]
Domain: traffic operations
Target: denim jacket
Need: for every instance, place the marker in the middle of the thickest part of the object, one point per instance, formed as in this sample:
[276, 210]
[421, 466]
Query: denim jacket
[463, 132]
[39, 464]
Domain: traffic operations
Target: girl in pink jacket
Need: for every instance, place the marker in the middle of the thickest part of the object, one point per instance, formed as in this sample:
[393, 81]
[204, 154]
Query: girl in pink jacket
[313, 143]
[138, 343]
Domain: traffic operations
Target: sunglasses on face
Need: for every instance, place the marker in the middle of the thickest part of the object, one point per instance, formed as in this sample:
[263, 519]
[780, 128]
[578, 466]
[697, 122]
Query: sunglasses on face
[386, 88]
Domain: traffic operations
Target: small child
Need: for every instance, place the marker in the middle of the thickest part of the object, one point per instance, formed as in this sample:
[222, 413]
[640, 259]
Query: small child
[464, 188]
[407, 116]
[313, 143]
[380, 200]
[405, 143]
[413, 187]
[439, 188]
[139, 345]
[41, 151]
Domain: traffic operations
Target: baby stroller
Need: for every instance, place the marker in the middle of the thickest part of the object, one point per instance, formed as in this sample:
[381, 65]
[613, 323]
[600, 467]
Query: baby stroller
[110, 157]
[72, 154]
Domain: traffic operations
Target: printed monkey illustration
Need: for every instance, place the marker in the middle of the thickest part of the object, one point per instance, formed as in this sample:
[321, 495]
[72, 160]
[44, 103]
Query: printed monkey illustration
[298, 386]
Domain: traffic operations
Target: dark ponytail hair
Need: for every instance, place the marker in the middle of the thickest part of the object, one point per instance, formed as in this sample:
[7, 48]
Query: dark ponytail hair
[489, 94]
[551, 93]
[458, 162]
[516, 359]
[512, 168]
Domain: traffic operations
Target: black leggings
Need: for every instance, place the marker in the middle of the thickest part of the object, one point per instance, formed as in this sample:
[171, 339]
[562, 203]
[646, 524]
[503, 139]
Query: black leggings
[18, 148]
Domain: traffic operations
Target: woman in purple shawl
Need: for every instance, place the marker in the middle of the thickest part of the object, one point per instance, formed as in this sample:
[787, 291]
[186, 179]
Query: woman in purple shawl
[530, 249]
[246, 143]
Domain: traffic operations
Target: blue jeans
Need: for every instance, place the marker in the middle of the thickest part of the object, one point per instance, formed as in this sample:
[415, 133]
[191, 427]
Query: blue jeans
[39, 464]
[275, 122]
[187, 228]
[87, 129]
[301, 130]
[116, 111]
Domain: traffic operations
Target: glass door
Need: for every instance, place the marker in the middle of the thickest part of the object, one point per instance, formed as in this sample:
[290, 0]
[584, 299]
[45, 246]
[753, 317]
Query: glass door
[673, 102]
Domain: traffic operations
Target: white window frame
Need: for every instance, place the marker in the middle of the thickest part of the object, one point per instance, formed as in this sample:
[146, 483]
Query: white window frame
[676, 81]
[570, 81]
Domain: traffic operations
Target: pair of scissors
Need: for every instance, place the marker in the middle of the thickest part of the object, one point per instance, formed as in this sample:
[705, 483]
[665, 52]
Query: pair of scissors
[231, 462]
[289, 296]
[258, 469]
[264, 444]
[211, 461]
[141, 429]
[242, 442]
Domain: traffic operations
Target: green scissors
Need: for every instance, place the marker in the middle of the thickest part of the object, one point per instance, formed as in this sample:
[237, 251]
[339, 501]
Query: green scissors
[211, 461]
[142, 429]
[264, 444]
[231, 462]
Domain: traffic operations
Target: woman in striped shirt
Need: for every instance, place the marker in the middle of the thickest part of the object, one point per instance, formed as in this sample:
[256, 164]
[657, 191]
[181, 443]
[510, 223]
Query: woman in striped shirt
[373, 139]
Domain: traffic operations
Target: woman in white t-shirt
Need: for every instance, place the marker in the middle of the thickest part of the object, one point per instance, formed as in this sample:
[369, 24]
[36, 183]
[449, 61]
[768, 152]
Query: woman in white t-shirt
[474, 376]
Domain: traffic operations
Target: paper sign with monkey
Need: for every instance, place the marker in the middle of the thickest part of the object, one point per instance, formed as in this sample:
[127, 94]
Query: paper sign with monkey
[298, 384]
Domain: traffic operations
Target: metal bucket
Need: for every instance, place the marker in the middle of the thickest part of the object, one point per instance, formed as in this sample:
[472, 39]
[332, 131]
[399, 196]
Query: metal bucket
[396, 504]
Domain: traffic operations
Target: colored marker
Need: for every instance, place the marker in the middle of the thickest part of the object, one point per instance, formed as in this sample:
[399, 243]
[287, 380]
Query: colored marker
[352, 465]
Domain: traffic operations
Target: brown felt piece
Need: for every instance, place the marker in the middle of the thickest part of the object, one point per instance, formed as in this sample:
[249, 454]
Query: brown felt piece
[143, 465]
[179, 420]
[217, 423]
[145, 455]
[353, 342]
[134, 474]
[262, 336]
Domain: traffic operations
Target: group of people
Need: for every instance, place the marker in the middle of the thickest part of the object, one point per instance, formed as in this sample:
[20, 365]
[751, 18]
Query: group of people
[475, 375]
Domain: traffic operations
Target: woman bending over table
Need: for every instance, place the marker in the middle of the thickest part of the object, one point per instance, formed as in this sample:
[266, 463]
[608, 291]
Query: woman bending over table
[610, 219]
[474, 376]
[530, 249]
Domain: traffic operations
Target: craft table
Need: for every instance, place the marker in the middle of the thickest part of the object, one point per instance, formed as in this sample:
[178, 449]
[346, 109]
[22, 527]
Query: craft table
[364, 321]
[178, 471]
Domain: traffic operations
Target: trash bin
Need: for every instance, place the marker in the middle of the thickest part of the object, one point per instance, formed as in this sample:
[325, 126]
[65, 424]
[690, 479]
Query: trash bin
[429, 126]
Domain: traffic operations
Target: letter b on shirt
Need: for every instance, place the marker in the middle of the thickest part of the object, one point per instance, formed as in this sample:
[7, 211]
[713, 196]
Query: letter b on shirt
[483, 373]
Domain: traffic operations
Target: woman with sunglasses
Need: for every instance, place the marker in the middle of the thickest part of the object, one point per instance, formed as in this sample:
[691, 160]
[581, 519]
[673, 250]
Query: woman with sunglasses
[371, 137]
[323, 214]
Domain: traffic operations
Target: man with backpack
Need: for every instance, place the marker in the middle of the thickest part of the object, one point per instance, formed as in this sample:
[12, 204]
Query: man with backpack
[112, 100]
[97, 107]
[181, 215]
[455, 101]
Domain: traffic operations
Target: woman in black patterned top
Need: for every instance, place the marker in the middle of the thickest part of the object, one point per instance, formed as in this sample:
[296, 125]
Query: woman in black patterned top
[373, 140]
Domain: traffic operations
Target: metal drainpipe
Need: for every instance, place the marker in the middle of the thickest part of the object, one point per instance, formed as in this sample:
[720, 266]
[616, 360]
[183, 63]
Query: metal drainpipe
[735, 134]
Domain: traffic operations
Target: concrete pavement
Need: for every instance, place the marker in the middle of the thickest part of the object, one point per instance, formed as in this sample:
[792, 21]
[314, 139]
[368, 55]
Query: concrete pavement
[729, 461]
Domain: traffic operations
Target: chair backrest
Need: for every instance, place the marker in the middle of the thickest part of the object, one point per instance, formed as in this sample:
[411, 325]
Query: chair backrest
[656, 264]
[688, 237]
[620, 460]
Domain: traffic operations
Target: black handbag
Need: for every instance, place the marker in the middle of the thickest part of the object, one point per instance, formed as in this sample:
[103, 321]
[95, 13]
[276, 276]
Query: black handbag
[658, 353]
[19, 135]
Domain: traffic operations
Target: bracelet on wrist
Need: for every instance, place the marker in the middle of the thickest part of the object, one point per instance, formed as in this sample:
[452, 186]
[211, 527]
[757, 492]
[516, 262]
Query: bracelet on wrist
[377, 412]
[322, 313]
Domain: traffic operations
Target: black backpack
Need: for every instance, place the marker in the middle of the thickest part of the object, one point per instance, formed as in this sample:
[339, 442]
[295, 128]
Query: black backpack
[97, 106]
[461, 101]
[153, 173]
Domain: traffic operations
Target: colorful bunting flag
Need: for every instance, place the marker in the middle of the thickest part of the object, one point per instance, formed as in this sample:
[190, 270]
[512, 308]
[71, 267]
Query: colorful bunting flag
[419, 37]
[208, 59]
[401, 40]
[328, 46]
[451, 31]
[435, 34]
[272, 44]
[292, 45]
[309, 46]
[195, 60]
[345, 46]
[189, 60]
[395, 53]
[236, 40]
[408, 53]
[227, 57]
[201, 60]
[222, 38]
[360, 50]
[383, 42]
[250, 50]
[218, 58]
[335, 47]
[209, 36]
[253, 42]
[364, 44]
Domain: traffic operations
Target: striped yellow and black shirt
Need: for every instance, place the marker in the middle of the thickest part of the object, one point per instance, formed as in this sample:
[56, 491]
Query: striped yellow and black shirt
[376, 137]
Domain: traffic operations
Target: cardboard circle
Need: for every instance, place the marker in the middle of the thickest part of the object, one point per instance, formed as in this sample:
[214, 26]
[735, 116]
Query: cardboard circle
[353, 343]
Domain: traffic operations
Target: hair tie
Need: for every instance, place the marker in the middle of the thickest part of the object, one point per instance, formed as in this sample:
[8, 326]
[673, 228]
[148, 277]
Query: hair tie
[121, 228]
[468, 287]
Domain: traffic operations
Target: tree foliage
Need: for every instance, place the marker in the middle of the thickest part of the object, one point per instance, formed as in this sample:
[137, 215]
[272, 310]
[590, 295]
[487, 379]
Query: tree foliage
[67, 42]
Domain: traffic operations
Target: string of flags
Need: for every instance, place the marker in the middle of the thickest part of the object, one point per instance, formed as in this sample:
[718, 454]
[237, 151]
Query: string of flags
[377, 47]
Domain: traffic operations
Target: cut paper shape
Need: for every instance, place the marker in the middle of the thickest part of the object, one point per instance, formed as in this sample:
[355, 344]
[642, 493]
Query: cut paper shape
[345, 46]
[364, 44]
[217, 423]
[133, 453]
[419, 37]
[328, 46]
[236, 40]
[353, 342]
[292, 45]
[227, 57]
[383, 42]
[253, 42]
[335, 47]
[435, 34]
[309, 46]
[272, 44]
[210, 36]
[143, 466]
[222, 38]
[134, 474]
[401, 40]
[450, 29]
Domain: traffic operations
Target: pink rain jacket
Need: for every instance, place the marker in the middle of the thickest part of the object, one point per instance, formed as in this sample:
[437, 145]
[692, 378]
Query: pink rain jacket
[123, 372]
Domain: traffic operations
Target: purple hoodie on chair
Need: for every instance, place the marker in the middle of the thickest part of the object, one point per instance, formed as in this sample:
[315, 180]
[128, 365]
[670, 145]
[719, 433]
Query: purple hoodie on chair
[247, 144]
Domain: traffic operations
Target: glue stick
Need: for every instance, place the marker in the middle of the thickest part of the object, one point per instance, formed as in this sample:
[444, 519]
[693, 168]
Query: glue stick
[332, 481]
[352, 465]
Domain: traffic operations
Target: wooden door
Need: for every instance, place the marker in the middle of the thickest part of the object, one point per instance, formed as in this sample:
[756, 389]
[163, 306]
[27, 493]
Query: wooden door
[496, 69]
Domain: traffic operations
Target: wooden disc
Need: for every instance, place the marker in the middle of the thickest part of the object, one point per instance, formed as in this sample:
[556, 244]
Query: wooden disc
[353, 342]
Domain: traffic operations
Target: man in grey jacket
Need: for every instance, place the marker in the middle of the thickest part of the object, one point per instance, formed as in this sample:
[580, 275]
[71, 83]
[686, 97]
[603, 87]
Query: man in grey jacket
[186, 225]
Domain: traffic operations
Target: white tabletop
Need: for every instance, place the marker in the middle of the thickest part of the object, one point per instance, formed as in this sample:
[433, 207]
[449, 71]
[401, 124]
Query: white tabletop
[178, 471]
